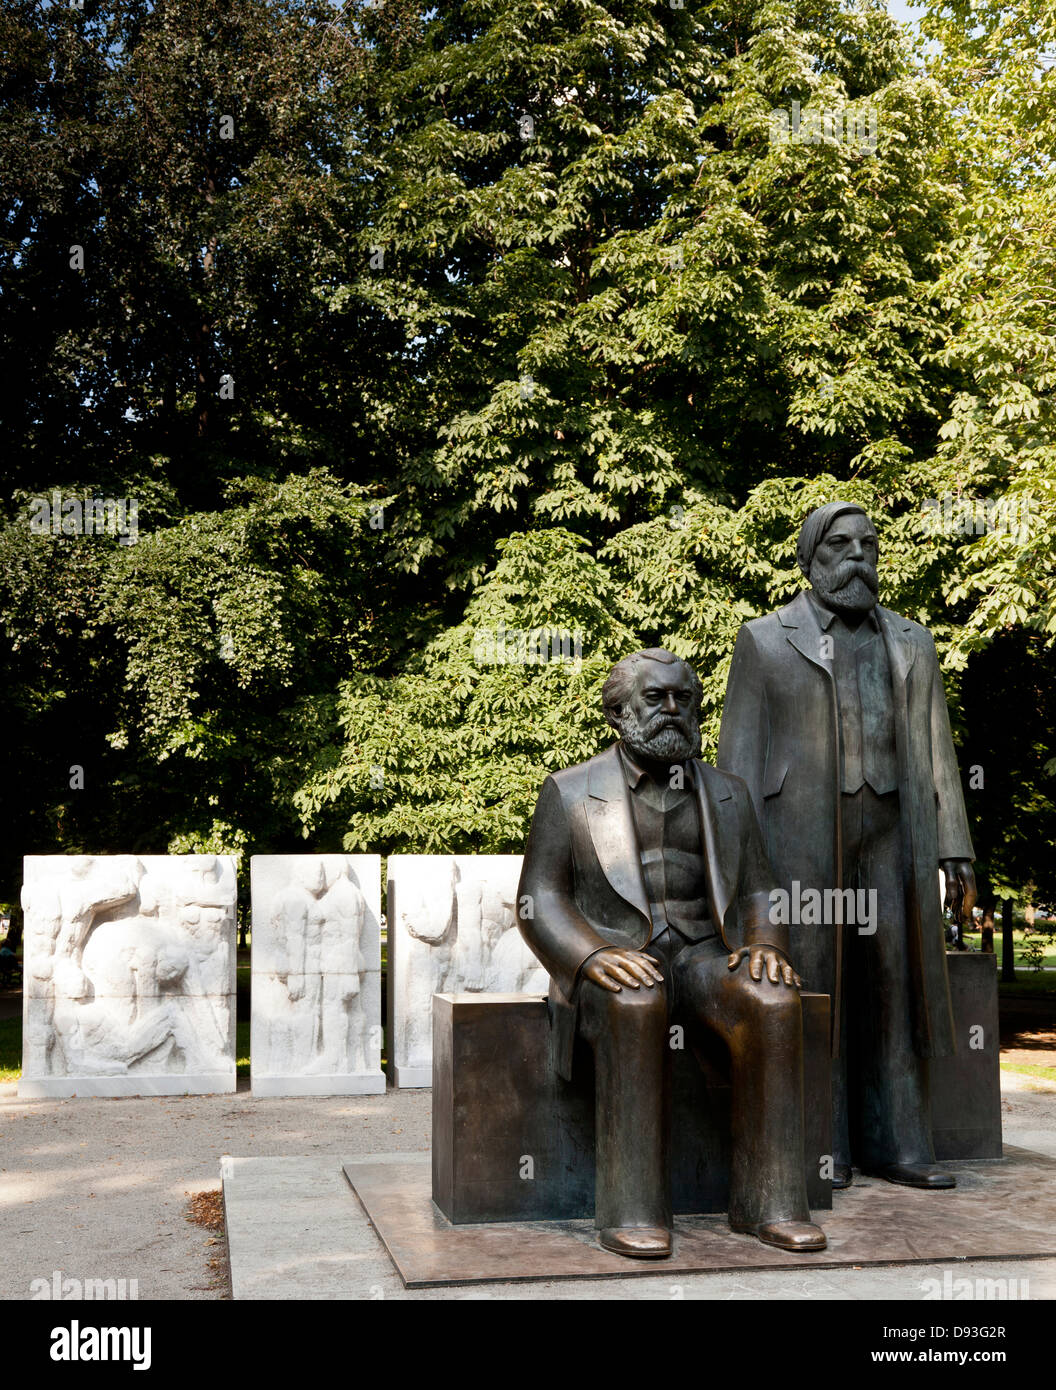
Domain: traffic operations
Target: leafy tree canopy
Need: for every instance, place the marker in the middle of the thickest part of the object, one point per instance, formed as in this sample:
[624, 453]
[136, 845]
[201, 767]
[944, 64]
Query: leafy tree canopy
[408, 326]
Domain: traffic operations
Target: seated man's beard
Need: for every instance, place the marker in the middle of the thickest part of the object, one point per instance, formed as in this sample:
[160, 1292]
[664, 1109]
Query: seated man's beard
[664, 737]
[849, 585]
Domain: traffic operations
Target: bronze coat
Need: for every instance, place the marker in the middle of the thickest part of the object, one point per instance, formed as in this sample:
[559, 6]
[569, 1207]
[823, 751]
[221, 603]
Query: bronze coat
[780, 733]
[582, 886]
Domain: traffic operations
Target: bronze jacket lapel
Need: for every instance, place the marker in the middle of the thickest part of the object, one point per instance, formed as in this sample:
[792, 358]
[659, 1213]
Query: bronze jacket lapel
[720, 890]
[901, 650]
[804, 630]
[611, 824]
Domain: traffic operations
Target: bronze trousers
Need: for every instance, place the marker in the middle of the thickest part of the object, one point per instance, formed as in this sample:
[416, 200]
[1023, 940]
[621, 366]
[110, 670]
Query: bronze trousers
[761, 1026]
[881, 1107]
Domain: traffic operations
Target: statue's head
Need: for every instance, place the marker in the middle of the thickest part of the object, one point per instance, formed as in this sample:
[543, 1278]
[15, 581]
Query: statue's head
[838, 551]
[652, 699]
[306, 870]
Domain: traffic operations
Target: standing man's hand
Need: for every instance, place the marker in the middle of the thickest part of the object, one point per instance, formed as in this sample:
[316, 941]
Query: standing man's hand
[615, 967]
[960, 888]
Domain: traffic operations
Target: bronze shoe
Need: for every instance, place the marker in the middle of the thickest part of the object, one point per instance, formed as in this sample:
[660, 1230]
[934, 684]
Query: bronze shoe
[639, 1242]
[788, 1235]
[927, 1175]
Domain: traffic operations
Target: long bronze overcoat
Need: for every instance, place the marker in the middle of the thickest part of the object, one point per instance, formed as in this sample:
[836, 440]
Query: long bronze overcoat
[582, 886]
[780, 733]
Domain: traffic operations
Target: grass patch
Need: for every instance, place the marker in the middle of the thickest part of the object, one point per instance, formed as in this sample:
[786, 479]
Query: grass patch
[1028, 982]
[241, 1049]
[1025, 1069]
[1020, 939]
[10, 1049]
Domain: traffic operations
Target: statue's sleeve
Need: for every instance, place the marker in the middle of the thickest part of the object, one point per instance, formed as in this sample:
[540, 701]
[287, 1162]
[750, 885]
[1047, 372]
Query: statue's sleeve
[745, 719]
[757, 881]
[556, 931]
[954, 840]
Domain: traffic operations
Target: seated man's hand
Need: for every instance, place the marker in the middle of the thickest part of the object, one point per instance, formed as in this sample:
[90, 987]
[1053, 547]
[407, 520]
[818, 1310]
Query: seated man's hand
[765, 957]
[615, 967]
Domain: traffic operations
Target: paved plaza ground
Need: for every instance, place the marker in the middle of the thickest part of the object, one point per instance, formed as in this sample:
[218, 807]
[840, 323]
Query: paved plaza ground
[100, 1189]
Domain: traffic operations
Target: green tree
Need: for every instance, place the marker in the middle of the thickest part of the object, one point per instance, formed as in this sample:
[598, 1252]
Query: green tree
[620, 285]
[995, 464]
[641, 319]
[168, 216]
[529, 314]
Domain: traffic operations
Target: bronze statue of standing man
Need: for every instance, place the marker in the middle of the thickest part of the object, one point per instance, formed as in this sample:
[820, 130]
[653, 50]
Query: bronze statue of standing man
[836, 718]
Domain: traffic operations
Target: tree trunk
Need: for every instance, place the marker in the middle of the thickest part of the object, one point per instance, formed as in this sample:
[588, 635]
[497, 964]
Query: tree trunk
[203, 395]
[205, 386]
[1008, 967]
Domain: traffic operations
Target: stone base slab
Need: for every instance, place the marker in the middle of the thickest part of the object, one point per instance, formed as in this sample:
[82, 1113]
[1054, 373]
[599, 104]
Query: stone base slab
[1000, 1209]
[319, 1085]
[63, 1087]
[411, 1078]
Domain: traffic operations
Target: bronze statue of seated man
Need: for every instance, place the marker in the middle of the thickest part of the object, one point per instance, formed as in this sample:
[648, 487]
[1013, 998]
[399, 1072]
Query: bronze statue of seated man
[645, 892]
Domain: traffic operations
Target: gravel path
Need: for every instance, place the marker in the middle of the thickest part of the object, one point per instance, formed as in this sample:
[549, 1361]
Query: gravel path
[98, 1189]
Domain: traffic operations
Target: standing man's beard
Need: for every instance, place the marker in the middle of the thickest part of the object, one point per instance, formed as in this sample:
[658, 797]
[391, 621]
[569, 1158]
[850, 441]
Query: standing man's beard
[850, 586]
[664, 737]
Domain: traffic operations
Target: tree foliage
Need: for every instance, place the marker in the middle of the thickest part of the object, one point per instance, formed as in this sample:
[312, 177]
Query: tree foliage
[406, 326]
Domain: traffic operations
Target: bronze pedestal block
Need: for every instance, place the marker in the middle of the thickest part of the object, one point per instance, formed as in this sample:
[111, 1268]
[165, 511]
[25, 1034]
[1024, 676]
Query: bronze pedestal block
[512, 1141]
[966, 1088]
